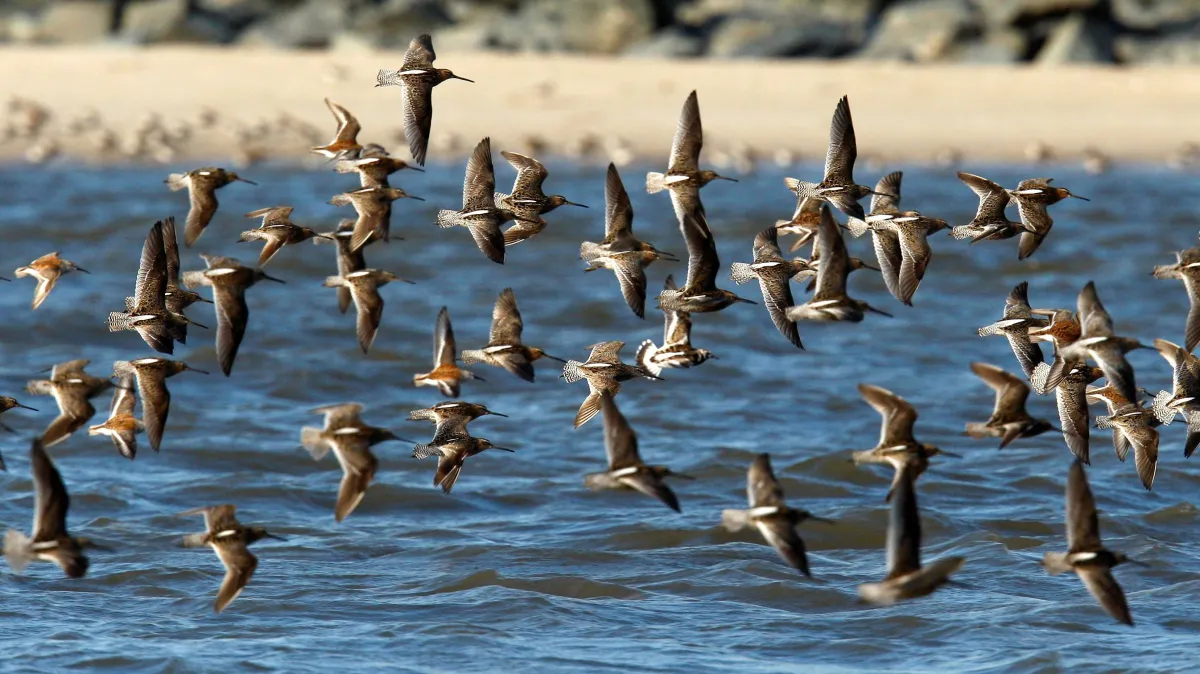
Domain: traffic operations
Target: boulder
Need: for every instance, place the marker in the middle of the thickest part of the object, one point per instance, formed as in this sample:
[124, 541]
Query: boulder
[1078, 39]
[1174, 49]
[672, 42]
[73, 21]
[1001, 13]
[150, 21]
[311, 24]
[589, 26]
[996, 47]
[1155, 14]
[392, 24]
[926, 30]
[240, 13]
[854, 12]
[776, 36]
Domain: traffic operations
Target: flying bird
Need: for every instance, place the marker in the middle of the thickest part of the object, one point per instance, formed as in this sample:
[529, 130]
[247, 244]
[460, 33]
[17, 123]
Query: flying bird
[504, 348]
[373, 205]
[837, 187]
[364, 288]
[700, 293]
[47, 269]
[452, 445]
[277, 231]
[625, 467]
[351, 441]
[446, 374]
[122, 426]
[480, 215]
[676, 349]
[72, 388]
[202, 185]
[774, 275]
[416, 78]
[51, 542]
[604, 373]
[345, 139]
[229, 280]
[527, 199]
[684, 178]
[897, 446]
[1009, 420]
[229, 539]
[152, 375]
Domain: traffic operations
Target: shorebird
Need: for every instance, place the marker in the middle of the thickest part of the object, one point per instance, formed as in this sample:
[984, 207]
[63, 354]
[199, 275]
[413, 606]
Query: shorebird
[147, 313]
[504, 348]
[806, 219]
[604, 373]
[453, 409]
[625, 467]
[72, 388]
[676, 349]
[837, 187]
[416, 78]
[1009, 419]
[885, 241]
[1132, 426]
[480, 214]
[1032, 196]
[348, 259]
[46, 269]
[527, 199]
[373, 205]
[176, 298]
[1015, 325]
[771, 516]
[152, 375]
[373, 171]
[620, 250]
[229, 539]
[51, 542]
[277, 230]
[830, 301]
[1187, 269]
[684, 177]
[1073, 414]
[452, 444]
[229, 280]
[774, 275]
[7, 403]
[990, 223]
[1086, 554]
[446, 374]
[1184, 396]
[908, 245]
[202, 185]
[700, 293]
[345, 139]
[351, 441]
[896, 446]
[906, 577]
[1061, 330]
[121, 425]
[364, 288]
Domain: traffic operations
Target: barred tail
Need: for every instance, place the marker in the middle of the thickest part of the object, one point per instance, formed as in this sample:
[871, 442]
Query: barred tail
[472, 356]
[421, 415]
[645, 357]
[571, 372]
[176, 181]
[499, 198]
[740, 272]
[447, 219]
[387, 77]
[857, 227]
[962, 232]
[1104, 423]
[424, 451]
[989, 330]
[669, 300]
[18, 550]
[1040, 378]
[118, 321]
[655, 183]
[801, 188]
[1161, 410]
[311, 439]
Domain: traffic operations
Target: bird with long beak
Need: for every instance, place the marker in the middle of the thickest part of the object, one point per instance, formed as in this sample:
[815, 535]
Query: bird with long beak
[504, 348]
[47, 269]
[416, 78]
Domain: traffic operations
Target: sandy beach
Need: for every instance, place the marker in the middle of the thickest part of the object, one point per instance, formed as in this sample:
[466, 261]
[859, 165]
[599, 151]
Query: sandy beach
[558, 104]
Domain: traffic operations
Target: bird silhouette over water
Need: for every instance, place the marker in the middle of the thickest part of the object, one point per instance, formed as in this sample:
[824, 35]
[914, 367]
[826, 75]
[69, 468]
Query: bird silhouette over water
[774, 275]
[837, 187]
[527, 200]
[626, 470]
[830, 301]
[229, 280]
[230, 540]
[50, 541]
[345, 139]
[72, 388]
[1009, 420]
[277, 230]
[700, 293]
[453, 445]
[1186, 269]
[1184, 396]
[373, 171]
[364, 286]
[446, 375]
[202, 185]
[604, 373]
[1018, 319]
[416, 78]
[374, 208]
[351, 441]
[122, 426]
[684, 177]
[47, 269]
[504, 348]
[147, 313]
[897, 446]
[152, 375]
[676, 350]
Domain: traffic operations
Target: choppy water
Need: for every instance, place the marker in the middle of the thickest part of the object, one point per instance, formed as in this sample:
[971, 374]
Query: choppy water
[522, 567]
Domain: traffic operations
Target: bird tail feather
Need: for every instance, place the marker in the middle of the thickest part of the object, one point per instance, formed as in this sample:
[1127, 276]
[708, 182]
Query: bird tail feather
[18, 550]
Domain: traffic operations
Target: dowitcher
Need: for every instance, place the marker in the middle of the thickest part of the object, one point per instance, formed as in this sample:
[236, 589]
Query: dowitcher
[348, 259]
[46, 269]
[7, 403]
[1073, 414]
[885, 240]
[480, 214]
[906, 577]
[452, 444]
[446, 374]
[504, 348]
[51, 542]
[830, 301]
[604, 373]
[911, 230]
[176, 298]
[684, 177]
[897, 446]
[990, 223]
[453, 409]
[527, 199]
[625, 467]
[1086, 554]
[774, 274]
[1015, 325]
[152, 374]
[121, 425]
[1184, 396]
[771, 516]
[1032, 196]
[229, 539]
[229, 280]
[700, 293]
[147, 313]
[1062, 330]
[620, 250]
[277, 230]
[676, 349]
[72, 388]
[837, 187]
[364, 288]
[345, 139]
[417, 77]
[1009, 419]
[351, 441]
[1132, 426]
[373, 205]
[1187, 269]
[373, 171]
[202, 185]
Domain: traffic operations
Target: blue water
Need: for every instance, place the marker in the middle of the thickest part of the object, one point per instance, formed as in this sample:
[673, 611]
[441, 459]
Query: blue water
[522, 568]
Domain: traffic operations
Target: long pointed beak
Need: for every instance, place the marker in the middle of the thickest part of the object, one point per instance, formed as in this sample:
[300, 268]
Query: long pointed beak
[326, 236]
[881, 312]
[272, 278]
[415, 168]
[405, 440]
[27, 407]
[414, 197]
[732, 180]
[498, 414]
[1076, 196]
[201, 299]
[460, 77]
[247, 181]
[198, 325]
[503, 449]
[77, 268]
[2, 278]
[192, 369]
[669, 257]
[572, 203]
[546, 355]
[743, 299]
[867, 266]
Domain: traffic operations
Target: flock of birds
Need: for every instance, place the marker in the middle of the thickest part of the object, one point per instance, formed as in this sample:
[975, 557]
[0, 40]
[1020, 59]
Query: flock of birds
[162, 293]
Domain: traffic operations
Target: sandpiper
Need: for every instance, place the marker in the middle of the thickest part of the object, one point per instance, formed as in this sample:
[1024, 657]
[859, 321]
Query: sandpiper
[364, 288]
[1032, 196]
[1187, 269]
[700, 293]
[202, 185]
[277, 230]
[837, 187]
[373, 205]
[1009, 419]
[684, 177]
[351, 441]
[229, 539]
[348, 260]
[446, 374]
[830, 301]
[906, 577]
[1184, 396]
[7, 403]
[373, 171]
[345, 139]
[625, 467]
[46, 269]
[51, 541]
[620, 250]
[452, 444]
[911, 230]
[72, 388]
[774, 274]
[1132, 426]
[804, 223]
[1073, 414]
[480, 214]
[886, 241]
[1086, 554]
[897, 446]
[152, 374]
[604, 373]
[176, 298]
[417, 77]
[147, 313]
[504, 348]
[1062, 330]
[452, 409]
[121, 425]
[676, 349]
[1015, 325]
[229, 280]
[527, 199]
[771, 516]
[990, 223]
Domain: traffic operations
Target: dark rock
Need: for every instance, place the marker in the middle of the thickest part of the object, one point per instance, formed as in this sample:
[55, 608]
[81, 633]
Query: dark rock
[240, 13]
[1002, 46]
[393, 24]
[673, 42]
[1001, 13]
[1174, 49]
[76, 21]
[926, 30]
[153, 21]
[311, 24]
[1078, 39]
[745, 36]
[590, 26]
[1155, 14]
